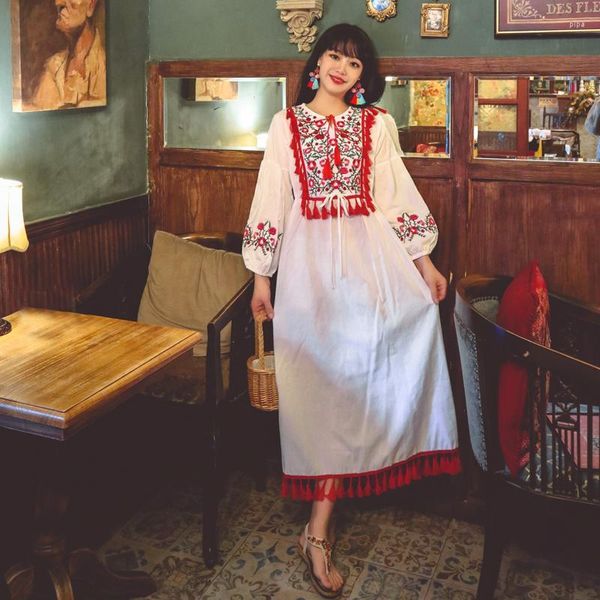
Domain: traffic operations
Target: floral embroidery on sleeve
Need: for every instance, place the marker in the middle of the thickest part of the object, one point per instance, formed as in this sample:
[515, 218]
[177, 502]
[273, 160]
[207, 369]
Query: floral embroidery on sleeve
[264, 237]
[410, 226]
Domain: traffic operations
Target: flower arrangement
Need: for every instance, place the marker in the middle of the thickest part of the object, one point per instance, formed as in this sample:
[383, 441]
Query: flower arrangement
[581, 103]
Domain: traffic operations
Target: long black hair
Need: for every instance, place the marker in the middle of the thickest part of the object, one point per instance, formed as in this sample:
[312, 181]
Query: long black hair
[352, 41]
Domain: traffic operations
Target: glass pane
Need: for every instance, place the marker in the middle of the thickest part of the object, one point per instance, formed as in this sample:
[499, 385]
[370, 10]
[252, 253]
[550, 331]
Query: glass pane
[556, 108]
[221, 113]
[497, 89]
[421, 109]
[497, 128]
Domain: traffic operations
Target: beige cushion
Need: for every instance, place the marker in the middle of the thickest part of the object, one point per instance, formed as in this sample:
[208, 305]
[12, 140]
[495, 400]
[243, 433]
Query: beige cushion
[189, 284]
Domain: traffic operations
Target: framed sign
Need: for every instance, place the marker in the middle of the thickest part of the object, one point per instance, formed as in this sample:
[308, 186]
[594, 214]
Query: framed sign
[539, 17]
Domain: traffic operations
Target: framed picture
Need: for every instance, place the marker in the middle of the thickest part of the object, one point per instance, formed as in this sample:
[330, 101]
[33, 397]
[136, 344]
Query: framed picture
[434, 19]
[381, 9]
[540, 17]
[58, 56]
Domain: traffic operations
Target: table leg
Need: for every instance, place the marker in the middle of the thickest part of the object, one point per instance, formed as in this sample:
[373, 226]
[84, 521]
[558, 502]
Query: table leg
[55, 569]
[19, 583]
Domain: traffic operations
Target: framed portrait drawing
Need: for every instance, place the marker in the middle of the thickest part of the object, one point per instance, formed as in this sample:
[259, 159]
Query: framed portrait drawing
[58, 56]
[541, 17]
[434, 19]
[381, 9]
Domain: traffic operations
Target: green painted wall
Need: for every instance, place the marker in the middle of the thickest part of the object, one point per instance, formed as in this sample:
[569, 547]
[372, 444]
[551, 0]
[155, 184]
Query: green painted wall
[252, 29]
[70, 160]
[73, 159]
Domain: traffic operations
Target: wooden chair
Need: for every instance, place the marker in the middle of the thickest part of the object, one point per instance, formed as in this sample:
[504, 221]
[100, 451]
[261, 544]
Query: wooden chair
[562, 473]
[118, 295]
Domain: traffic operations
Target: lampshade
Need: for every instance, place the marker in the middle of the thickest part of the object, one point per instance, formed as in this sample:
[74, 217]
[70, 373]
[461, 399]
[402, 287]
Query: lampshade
[12, 227]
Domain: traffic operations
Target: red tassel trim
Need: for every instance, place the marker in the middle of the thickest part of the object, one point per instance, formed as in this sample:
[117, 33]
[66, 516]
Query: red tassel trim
[296, 147]
[360, 485]
[337, 157]
[368, 119]
[359, 206]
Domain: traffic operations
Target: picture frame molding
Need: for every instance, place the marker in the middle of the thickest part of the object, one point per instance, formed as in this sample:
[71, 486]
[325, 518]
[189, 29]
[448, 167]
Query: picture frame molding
[381, 15]
[444, 30]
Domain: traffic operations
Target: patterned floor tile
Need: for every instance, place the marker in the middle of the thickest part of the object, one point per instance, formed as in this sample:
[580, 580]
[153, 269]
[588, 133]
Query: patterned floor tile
[261, 569]
[121, 555]
[190, 541]
[460, 561]
[384, 550]
[157, 528]
[357, 538]
[441, 590]
[378, 583]
[180, 578]
[406, 551]
[587, 587]
[349, 567]
[538, 581]
[242, 505]
[286, 518]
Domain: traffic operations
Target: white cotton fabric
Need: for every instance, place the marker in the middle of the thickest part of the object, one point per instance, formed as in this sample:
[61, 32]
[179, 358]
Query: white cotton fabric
[360, 364]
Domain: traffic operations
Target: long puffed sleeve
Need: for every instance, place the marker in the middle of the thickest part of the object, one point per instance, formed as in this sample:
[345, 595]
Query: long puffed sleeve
[272, 200]
[396, 194]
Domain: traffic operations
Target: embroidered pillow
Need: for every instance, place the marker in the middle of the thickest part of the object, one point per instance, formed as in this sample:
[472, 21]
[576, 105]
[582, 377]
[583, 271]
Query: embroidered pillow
[188, 284]
[524, 310]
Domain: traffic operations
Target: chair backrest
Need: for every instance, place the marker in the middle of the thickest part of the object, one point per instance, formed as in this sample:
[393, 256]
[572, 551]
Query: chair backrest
[563, 391]
[220, 240]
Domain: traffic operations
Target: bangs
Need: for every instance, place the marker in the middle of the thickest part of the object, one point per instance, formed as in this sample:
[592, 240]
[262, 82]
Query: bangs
[348, 47]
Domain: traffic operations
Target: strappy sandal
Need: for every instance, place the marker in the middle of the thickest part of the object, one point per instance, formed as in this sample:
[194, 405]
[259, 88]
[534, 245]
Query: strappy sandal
[325, 547]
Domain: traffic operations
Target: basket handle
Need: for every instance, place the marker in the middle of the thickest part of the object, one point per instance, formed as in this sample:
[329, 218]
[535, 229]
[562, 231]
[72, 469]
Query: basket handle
[259, 340]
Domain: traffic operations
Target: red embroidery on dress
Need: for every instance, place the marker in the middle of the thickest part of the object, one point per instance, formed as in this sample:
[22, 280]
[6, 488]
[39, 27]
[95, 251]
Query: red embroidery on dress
[410, 226]
[333, 169]
[264, 237]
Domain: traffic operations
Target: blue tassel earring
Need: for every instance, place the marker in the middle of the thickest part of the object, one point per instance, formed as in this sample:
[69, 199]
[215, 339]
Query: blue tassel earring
[313, 82]
[358, 99]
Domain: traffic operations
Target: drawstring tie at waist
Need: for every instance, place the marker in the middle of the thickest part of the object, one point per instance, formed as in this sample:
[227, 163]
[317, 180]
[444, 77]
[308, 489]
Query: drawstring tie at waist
[342, 207]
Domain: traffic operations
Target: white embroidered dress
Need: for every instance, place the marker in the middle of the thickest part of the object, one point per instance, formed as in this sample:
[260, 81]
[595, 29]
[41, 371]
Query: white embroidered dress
[363, 384]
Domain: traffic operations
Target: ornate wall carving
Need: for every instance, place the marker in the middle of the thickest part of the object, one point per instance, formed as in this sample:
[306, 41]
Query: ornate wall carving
[300, 16]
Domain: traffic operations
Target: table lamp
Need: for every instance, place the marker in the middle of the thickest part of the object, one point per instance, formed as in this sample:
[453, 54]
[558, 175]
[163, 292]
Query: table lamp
[12, 227]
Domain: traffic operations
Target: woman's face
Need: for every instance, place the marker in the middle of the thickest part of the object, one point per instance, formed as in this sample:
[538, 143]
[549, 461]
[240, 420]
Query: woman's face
[338, 73]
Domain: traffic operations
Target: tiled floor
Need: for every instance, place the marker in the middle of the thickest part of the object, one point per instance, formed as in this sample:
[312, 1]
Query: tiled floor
[385, 552]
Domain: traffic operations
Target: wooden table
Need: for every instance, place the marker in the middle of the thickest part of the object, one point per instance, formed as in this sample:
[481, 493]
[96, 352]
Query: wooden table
[59, 372]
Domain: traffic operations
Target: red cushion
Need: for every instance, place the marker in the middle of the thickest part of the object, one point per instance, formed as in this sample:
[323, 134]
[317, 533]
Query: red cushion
[524, 310]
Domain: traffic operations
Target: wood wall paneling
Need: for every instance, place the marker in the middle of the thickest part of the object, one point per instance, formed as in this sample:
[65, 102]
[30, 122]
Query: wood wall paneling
[193, 189]
[69, 253]
[439, 196]
[511, 223]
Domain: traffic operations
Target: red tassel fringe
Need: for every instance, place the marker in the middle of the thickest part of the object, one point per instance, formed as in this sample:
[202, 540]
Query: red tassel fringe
[361, 485]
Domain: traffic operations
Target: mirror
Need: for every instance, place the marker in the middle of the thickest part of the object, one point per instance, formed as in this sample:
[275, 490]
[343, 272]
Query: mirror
[225, 113]
[421, 108]
[535, 118]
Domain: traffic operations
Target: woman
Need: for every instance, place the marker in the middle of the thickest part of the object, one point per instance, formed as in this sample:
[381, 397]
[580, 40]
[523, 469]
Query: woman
[365, 399]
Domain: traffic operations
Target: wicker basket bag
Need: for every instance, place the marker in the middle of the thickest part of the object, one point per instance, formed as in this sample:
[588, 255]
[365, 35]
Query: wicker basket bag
[262, 387]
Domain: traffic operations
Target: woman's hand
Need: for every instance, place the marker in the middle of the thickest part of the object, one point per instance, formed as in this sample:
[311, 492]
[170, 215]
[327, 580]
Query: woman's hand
[261, 298]
[436, 282]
